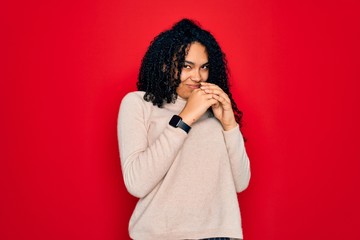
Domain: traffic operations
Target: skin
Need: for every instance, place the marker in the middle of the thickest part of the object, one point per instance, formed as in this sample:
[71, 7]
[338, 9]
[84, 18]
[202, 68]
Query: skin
[201, 95]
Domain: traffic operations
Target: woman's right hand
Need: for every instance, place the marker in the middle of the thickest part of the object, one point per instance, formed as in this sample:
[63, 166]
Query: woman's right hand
[197, 104]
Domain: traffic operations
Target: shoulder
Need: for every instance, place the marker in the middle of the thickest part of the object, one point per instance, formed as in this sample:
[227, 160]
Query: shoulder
[134, 102]
[133, 97]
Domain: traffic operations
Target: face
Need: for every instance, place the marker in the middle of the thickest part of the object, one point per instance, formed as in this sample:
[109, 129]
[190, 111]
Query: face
[195, 70]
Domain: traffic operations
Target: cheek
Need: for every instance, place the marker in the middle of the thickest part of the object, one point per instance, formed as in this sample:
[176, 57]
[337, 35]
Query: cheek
[183, 76]
[205, 76]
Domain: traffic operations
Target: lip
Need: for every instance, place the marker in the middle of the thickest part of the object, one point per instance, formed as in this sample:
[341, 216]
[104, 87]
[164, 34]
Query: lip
[193, 86]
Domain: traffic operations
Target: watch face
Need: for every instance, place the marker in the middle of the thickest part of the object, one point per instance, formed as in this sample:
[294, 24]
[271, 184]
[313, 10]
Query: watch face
[174, 121]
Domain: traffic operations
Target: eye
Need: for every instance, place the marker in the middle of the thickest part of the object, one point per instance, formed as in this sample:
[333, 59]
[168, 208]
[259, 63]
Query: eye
[187, 66]
[206, 67]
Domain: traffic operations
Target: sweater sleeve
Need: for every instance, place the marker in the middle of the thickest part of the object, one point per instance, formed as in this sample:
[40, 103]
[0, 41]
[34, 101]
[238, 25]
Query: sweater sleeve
[239, 161]
[144, 165]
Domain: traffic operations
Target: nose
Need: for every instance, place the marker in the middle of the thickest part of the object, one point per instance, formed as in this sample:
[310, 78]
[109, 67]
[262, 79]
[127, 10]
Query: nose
[196, 77]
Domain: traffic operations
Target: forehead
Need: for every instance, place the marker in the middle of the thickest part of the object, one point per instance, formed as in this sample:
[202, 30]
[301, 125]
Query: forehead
[197, 52]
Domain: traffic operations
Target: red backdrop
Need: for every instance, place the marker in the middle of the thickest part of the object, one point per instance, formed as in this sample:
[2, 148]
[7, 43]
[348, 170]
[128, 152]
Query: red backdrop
[67, 64]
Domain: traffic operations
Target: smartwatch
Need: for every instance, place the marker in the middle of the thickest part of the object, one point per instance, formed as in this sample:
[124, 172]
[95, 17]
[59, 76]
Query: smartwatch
[177, 122]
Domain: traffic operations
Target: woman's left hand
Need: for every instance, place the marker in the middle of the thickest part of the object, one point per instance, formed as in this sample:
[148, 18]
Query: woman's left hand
[222, 109]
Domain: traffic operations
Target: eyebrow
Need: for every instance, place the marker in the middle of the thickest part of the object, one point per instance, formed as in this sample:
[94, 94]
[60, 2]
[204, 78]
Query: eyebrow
[191, 63]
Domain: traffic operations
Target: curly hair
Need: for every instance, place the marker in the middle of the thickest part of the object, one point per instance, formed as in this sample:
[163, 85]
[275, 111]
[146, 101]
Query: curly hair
[160, 70]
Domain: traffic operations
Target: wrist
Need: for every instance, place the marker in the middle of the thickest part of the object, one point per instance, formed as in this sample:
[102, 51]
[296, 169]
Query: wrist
[177, 122]
[186, 118]
[230, 126]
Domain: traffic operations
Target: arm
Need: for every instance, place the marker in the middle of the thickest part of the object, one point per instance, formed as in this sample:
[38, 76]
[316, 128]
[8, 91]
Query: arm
[239, 161]
[144, 166]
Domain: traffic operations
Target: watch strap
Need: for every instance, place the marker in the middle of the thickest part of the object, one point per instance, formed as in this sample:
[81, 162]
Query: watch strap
[184, 126]
[177, 122]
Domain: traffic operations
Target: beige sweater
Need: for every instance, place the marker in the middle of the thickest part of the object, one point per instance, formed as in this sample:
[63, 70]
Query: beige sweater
[187, 183]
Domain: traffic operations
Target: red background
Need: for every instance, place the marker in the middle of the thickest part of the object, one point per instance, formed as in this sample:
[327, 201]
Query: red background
[67, 64]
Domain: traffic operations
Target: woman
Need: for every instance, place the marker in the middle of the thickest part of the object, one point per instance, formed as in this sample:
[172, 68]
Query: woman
[182, 152]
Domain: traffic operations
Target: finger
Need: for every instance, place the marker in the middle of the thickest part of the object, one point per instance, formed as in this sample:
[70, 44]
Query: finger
[199, 91]
[218, 93]
[213, 101]
[212, 87]
[222, 100]
[208, 85]
[216, 105]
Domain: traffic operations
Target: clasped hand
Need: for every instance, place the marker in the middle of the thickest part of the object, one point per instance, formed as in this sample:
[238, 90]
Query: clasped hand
[209, 95]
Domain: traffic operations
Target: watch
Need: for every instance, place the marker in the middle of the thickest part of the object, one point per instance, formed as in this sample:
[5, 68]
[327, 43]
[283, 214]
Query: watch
[177, 122]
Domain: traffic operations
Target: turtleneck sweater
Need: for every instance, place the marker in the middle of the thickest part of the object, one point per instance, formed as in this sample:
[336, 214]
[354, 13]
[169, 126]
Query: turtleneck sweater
[187, 184]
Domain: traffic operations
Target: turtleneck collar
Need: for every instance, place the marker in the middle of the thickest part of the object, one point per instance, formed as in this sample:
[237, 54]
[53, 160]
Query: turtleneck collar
[178, 105]
[180, 99]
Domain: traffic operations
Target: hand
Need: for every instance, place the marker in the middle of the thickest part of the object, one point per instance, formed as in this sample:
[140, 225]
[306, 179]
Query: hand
[222, 108]
[197, 104]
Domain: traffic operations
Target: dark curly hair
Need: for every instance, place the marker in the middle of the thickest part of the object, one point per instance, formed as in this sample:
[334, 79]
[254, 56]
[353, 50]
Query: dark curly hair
[161, 66]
